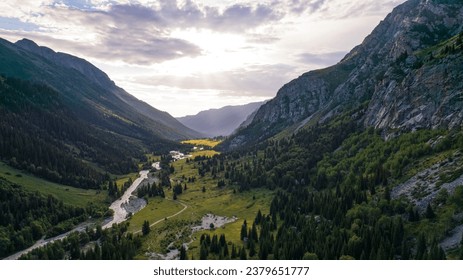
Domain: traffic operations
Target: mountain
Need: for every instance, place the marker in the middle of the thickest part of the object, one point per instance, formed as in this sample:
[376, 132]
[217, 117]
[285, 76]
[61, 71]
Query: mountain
[64, 120]
[406, 74]
[220, 122]
[169, 128]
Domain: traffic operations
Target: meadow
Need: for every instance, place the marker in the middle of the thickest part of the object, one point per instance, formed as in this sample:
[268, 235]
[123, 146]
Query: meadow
[69, 195]
[203, 196]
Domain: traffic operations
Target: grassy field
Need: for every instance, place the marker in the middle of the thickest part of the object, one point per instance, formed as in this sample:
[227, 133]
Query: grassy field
[202, 142]
[208, 153]
[218, 201]
[157, 209]
[69, 195]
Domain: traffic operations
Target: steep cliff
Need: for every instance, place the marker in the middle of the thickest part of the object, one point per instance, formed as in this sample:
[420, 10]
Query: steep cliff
[407, 72]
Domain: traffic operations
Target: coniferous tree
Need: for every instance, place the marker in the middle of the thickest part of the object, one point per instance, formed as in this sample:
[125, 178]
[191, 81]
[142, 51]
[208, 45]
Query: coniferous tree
[183, 255]
[146, 227]
[252, 248]
[244, 231]
[461, 248]
[421, 249]
[233, 252]
[203, 251]
[430, 212]
[243, 253]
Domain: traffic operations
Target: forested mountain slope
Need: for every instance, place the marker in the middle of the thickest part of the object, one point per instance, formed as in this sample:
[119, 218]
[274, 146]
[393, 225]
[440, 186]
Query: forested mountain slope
[66, 124]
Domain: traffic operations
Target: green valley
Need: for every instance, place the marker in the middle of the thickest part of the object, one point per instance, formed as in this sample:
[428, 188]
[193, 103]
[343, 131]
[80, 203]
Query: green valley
[360, 160]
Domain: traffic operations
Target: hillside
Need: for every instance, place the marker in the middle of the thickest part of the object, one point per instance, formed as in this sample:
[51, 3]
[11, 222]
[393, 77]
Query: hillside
[163, 124]
[62, 120]
[403, 70]
[220, 122]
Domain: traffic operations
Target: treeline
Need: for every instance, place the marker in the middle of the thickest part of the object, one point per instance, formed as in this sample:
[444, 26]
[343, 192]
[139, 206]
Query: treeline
[150, 190]
[92, 244]
[40, 134]
[26, 217]
[217, 247]
[333, 199]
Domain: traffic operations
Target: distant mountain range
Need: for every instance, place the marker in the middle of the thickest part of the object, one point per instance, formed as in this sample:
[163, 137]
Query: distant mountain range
[220, 122]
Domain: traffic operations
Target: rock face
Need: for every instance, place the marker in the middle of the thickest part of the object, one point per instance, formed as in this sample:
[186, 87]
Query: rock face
[220, 122]
[408, 73]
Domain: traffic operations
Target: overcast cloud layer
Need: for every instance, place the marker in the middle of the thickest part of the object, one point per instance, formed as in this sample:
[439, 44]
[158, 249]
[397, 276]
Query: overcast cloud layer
[198, 53]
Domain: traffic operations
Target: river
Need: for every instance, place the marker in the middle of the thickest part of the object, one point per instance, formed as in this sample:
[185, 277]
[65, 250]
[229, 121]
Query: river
[120, 215]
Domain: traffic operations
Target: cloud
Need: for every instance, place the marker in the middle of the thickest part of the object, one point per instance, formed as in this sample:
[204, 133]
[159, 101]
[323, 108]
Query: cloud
[135, 33]
[257, 80]
[140, 32]
[257, 38]
[136, 49]
[300, 6]
[234, 18]
[321, 59]
[340, 9]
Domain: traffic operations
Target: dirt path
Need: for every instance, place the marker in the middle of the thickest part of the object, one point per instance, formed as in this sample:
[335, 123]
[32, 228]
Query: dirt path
[171, 216]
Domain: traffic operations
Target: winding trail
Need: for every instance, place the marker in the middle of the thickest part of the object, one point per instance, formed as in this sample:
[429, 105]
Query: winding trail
[171, 216]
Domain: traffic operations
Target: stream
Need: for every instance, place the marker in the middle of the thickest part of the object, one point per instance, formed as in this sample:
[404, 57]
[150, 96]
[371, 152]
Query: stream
[120, 215]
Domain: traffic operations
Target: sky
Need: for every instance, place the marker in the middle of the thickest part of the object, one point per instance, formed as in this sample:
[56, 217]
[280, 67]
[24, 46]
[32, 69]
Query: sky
[185, 56]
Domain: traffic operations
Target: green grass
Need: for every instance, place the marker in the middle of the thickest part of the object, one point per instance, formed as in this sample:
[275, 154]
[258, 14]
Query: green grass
[157, 209]
[438, 51]
[153, 158]
[202, 142]
[240, 205]
[220, 202]
[69, 195]
[208, 153]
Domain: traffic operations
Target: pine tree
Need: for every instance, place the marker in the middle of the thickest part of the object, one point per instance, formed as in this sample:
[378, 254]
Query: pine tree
[421, 248]
[146, 228]
[226, 253]
[233, 252]
[258, 218]
[252, 248]
[183, 255]
[244, 231]
[254, 233]
[430, 212]
[243, 253]
[203, 252]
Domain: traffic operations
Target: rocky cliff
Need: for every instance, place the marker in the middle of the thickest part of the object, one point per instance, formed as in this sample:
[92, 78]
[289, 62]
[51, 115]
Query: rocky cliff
[407, 72]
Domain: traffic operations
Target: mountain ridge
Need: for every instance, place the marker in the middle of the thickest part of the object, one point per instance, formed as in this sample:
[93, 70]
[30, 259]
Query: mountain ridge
[98, 77]
[59, 124]
[222, 121]
[379, 72]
